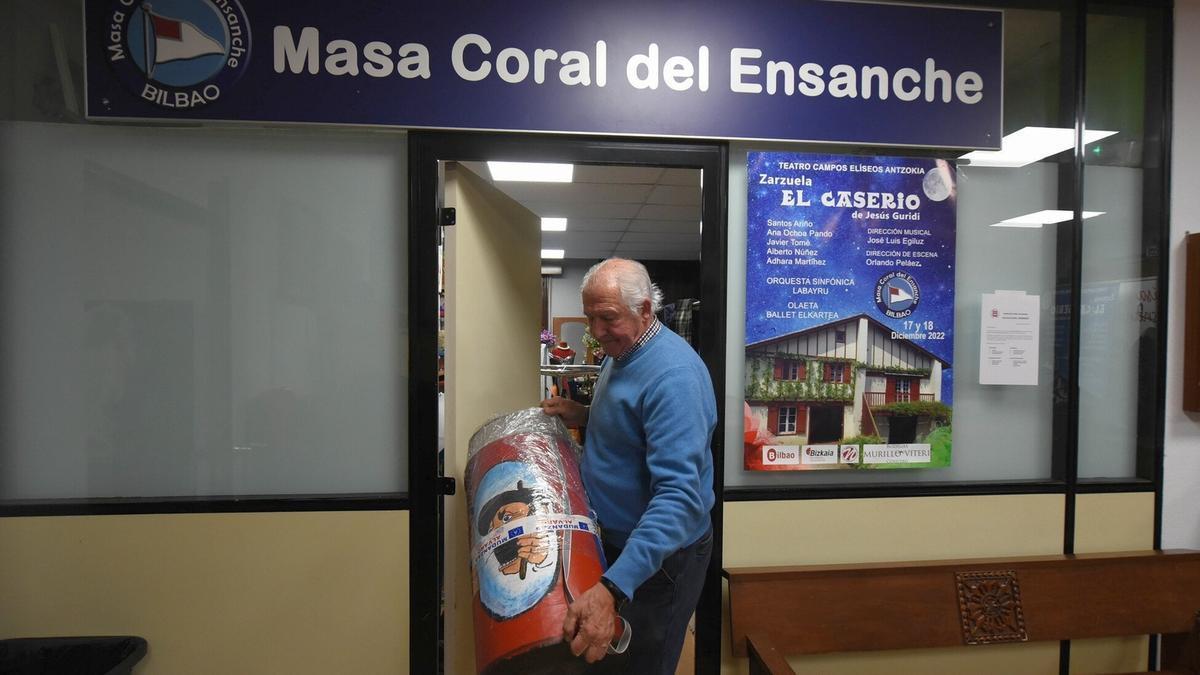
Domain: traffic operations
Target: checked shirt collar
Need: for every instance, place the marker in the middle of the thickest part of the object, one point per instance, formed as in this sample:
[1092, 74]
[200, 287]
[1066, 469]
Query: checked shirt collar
[650, 332]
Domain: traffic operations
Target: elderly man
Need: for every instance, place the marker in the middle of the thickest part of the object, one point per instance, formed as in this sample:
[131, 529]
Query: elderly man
[647, 466]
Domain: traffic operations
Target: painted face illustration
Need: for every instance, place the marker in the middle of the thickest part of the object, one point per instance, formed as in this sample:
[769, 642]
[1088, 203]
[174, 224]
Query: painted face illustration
[515, 555]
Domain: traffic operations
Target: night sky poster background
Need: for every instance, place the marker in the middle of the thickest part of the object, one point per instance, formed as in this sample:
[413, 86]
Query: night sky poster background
[831, 237]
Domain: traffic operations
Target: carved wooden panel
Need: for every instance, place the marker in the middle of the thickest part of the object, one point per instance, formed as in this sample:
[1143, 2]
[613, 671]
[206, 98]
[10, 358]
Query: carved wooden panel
[821, 609]
[989, 607]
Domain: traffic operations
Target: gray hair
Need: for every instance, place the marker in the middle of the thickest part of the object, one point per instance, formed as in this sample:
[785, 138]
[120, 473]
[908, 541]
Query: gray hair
[631, 279]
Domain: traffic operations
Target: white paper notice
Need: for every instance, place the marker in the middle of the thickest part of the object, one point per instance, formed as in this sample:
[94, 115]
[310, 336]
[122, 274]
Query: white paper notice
[1008, 338]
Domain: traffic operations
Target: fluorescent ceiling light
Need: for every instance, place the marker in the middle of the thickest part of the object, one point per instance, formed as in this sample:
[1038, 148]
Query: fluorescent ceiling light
[551, 270]
[1028, 145]
[553, 254]
[536, 172]
[1044, 218]
[554, 224]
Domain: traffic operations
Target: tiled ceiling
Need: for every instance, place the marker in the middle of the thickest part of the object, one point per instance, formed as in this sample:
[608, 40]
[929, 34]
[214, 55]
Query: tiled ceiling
[644, 213]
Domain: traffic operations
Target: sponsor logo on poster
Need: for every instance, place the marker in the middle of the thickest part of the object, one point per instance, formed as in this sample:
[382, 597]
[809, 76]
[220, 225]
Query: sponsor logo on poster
[781, 454]
[897, 453]
[820, 454]
[850, 454]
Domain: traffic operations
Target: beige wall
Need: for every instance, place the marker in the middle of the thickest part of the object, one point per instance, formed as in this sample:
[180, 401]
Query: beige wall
[256, 593]
[869, 530]
[493, 288]
[1112, 522]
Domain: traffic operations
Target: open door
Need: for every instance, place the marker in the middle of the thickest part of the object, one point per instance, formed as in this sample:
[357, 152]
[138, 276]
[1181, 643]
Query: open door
[825, 423]
[492, 315]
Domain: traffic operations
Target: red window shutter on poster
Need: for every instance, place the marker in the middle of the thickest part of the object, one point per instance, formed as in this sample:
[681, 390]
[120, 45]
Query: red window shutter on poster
[801, 419]
[803, 375]
[828, 374]
[773, 419]
[778, 369]
[891, 390]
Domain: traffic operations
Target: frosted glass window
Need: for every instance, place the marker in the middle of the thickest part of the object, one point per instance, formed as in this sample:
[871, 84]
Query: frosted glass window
[1118, 358]
[193, 312]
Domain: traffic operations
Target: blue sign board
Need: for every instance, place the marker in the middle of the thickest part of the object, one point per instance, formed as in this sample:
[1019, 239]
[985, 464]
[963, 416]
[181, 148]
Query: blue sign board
[849, 311]
[836, 72]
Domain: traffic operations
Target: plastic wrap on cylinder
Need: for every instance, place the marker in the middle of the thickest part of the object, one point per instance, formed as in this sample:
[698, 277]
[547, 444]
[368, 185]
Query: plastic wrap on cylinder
[533, 539]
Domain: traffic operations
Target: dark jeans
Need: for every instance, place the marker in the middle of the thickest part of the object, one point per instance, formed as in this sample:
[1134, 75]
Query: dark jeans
[660, 611]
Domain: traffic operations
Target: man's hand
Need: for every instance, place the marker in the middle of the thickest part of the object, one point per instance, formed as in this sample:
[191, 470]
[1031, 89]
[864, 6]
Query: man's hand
[573, 413]
[590, 623]
[533, 548]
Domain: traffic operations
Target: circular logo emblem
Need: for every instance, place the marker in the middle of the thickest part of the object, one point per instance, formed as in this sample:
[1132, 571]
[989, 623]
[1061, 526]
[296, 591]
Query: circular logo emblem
[897, 294]
[771, 454]
[178, 53]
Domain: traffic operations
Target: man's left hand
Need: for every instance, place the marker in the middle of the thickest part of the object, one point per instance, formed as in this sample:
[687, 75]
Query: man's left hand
[590, 623]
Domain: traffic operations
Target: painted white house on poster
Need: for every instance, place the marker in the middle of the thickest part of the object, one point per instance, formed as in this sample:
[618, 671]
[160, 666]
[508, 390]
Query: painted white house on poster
[844, 379]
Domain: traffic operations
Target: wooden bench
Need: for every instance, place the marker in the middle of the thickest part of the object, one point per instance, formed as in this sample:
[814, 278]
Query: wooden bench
[815, 609]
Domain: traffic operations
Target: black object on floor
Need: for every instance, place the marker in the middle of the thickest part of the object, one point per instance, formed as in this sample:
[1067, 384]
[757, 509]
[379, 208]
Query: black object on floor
[114, 655]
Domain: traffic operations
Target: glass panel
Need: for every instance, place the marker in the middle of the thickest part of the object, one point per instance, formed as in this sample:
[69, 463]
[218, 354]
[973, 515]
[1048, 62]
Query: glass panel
[999, 432]
[200, 312]
[1120, 266]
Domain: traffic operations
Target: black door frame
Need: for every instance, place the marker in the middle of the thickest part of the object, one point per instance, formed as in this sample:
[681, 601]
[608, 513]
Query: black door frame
[426, 485]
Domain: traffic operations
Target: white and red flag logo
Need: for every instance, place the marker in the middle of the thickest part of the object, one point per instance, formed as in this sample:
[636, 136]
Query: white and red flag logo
[176, 39]
[898, 295]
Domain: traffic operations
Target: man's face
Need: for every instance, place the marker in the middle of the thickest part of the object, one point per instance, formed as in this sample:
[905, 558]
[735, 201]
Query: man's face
[508, 513]
[611, 322]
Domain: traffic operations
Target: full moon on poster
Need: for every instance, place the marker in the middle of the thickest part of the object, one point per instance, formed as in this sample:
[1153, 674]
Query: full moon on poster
[849, 312]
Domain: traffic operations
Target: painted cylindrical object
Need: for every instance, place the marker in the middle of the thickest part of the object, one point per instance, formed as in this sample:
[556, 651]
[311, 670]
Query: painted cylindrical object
[534, 543]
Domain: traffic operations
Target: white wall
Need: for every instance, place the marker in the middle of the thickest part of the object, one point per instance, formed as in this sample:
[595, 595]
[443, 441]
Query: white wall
[564, 289]
[1181, 518]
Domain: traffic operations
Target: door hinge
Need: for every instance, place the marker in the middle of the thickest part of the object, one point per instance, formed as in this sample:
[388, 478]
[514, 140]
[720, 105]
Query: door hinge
[446, 485]
[448, 216]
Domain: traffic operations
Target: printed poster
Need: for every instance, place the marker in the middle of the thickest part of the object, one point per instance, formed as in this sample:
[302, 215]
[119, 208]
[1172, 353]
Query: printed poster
[1008, 338]
[849, 312]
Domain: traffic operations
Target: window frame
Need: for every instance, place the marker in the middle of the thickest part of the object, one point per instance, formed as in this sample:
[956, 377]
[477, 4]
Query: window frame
[788, 425]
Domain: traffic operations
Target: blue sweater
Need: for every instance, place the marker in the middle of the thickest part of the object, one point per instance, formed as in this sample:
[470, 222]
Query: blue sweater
[647, 461]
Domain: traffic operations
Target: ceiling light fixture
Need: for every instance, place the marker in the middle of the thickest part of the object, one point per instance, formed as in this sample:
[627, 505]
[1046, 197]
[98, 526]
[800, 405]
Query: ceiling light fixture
[554, 224]
[1046, 217]
[553, 253]
[1030, 144]
[531, 172]
[551, 270]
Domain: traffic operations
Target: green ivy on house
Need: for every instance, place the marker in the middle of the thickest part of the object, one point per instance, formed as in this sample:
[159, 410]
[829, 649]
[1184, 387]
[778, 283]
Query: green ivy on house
[940, 412]
[918, 372]
[761, 385]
